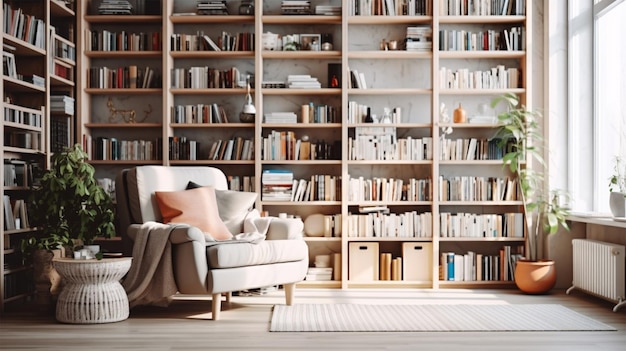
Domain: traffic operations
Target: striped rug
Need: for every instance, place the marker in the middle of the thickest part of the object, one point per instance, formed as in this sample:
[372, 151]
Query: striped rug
[386, 318]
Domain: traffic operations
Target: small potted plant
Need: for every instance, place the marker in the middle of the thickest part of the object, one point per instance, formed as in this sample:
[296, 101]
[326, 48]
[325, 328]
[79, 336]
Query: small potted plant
[69, 204]
[544, 212]
[617, 187]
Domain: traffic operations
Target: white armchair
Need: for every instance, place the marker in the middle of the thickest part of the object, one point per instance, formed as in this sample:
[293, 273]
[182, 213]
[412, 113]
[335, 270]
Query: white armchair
[201, 264]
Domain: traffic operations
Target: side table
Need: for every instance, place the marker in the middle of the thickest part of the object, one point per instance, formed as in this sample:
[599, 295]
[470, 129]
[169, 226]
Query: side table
[92, 292]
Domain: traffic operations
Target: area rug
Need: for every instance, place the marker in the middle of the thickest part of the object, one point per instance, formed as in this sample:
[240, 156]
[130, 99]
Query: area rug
[427, 318]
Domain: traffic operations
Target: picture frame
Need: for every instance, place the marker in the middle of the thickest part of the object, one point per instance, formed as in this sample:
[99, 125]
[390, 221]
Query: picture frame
[310, 42]
[8, 64]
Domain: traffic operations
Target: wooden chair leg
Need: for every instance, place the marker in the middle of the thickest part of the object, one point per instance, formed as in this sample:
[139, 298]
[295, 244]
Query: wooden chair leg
[228, 295]
[216, 306]
[289, 292]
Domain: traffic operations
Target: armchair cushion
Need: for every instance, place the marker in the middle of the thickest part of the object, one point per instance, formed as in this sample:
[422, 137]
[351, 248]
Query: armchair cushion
[249, 254]
[196, 207]
[233, 206]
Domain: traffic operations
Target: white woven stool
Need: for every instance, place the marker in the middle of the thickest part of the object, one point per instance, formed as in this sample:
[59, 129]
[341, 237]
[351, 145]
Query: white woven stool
[92, 292]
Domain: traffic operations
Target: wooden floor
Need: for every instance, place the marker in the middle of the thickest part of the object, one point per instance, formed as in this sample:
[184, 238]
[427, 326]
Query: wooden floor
[186, 325]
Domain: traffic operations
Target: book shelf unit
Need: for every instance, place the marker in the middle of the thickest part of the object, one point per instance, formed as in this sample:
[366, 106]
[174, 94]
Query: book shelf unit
[408, 83]
[37, 52]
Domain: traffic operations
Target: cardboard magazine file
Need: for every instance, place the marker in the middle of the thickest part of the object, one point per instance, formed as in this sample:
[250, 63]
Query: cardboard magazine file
[417, 260]
[363, 262]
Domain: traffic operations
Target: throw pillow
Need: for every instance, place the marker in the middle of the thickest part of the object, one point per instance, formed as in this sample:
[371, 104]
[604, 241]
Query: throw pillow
[196, 207]
[233, 206]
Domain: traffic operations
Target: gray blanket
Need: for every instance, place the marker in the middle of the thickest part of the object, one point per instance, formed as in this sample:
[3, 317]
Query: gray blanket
[150, 280]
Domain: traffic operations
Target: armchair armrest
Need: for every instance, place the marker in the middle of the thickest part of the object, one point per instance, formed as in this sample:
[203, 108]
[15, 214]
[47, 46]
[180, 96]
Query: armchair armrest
[285, 229]
[180, 235]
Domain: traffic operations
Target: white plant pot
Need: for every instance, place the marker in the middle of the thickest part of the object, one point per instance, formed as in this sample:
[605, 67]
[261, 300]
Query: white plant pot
[617, 202]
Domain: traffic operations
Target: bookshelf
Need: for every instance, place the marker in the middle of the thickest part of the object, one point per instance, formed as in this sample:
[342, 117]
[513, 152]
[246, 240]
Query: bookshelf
[330, 106]
[38, 42]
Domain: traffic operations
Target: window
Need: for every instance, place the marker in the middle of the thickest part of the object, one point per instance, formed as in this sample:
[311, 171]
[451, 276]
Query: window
[610, 94]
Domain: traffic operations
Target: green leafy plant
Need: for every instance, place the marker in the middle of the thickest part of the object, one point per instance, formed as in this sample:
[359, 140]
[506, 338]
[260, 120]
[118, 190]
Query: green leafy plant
[544, 212]
[617, 182]
[69, 205]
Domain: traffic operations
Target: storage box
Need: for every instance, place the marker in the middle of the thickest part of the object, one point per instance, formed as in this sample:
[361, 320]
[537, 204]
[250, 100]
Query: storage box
[417, 261]
[363, 262]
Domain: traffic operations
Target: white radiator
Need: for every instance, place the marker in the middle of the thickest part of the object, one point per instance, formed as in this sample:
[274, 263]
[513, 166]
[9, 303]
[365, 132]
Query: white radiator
[598, 269]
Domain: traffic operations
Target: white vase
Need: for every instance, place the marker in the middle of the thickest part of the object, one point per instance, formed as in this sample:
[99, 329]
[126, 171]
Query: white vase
[617, 202]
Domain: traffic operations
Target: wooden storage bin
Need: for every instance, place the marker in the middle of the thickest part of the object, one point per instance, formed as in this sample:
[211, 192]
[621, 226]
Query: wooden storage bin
[363, 262]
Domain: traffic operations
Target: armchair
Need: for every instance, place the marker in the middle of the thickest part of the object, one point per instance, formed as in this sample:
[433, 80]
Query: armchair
[200, 263]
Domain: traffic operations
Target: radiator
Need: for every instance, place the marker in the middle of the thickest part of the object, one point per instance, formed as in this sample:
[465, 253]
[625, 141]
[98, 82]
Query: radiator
[598, 269]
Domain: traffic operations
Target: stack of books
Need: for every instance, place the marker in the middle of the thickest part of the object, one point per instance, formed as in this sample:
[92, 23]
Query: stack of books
[277, 185]
[62, 104]
[319, 273]
[281, 117]
[212, 8]
[115, 7]
[302, 81]
[295, 7]
[328, 10]
[36, 80]
[419, 38]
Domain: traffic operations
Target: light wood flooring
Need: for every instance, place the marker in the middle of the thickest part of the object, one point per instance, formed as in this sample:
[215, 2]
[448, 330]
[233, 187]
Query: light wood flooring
[186, 325]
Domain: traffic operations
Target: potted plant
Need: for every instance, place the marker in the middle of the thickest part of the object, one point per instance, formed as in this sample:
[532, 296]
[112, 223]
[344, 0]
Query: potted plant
[617, 187]
[544, 212]
[68, 204]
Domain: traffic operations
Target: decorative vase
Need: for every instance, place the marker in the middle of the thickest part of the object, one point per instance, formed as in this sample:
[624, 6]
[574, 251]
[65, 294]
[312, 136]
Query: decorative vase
[535, 277]
[617, 202]
[460, 116]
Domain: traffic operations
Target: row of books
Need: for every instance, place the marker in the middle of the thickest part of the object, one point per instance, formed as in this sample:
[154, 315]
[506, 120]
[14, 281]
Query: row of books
[320, 113]
[18, 283]
[62, 49]
[20, 116]
[241, 183]
[390, 267]
[24, 26]
[357, 80]
[512, 39]
[389, 189]
[390, 7]
[236, 148]
[357, 113]
[23, 139]
[105, 40]
[18, 173]
[203, 77]
[199, 114]
[409, 224]
[105, 148]
[482, 7]
[472, 225]
[123, 77]
[183, 148]
[473, 266]
[60, 133]
[474, 188]
[319, 187]
[498, 77]
[242, 41]
[15, 213]
[416, 149]
[473, 149]
[283, 145]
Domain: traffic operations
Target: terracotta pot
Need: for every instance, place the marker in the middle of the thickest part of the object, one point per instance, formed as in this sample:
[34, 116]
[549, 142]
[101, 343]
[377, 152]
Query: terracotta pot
[535, 277]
